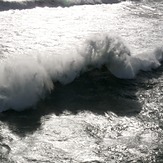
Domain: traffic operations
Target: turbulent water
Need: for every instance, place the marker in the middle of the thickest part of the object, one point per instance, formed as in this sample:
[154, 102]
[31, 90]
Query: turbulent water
[81, 81]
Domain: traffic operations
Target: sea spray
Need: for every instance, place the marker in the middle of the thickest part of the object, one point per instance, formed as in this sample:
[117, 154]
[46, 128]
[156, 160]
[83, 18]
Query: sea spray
[24, 80]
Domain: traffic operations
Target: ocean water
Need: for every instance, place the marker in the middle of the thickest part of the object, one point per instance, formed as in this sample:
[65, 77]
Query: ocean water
[81, 81]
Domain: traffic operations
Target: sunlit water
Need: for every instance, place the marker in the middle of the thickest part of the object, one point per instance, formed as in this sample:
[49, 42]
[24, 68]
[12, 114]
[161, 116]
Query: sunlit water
[73, 108]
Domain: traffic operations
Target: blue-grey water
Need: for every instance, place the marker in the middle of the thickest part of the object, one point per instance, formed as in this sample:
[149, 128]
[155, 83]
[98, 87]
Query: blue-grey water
[81, 81]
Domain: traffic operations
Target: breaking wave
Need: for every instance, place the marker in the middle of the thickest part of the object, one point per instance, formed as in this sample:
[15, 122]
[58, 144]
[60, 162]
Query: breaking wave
[25, 80]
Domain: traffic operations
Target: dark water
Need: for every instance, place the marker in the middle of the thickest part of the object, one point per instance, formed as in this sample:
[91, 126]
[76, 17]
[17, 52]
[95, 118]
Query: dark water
[8, 5]
[100, 94]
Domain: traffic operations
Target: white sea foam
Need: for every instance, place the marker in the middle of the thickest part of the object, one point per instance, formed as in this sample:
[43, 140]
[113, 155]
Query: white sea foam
[25, 80]
[22, 83]
[112, 52]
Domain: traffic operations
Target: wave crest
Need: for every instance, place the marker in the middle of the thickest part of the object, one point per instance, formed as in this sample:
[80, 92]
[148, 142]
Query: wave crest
[22, 83]
[25, 80]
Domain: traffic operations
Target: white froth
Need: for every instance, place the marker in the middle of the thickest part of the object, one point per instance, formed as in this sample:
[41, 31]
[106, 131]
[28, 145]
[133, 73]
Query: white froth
[25, 80]
[22, 83]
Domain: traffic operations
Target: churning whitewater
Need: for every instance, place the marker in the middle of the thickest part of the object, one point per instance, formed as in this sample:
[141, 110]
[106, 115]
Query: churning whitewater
[81, 81]
[25, 80]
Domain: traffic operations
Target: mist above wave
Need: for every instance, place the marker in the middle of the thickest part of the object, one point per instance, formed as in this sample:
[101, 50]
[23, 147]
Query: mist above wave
[25, 80]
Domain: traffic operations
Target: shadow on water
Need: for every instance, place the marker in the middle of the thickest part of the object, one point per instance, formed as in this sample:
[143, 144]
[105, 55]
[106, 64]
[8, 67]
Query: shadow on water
[95, 91]
[29, 4]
